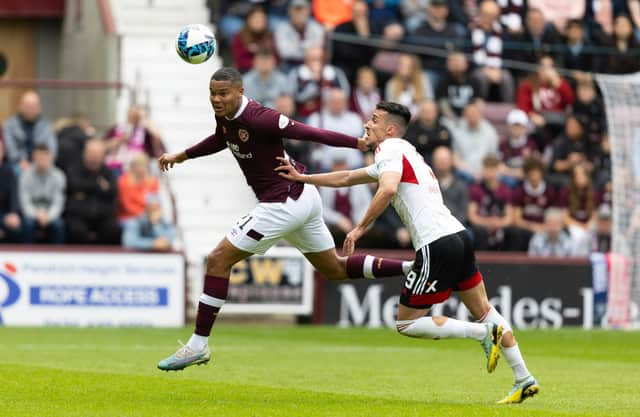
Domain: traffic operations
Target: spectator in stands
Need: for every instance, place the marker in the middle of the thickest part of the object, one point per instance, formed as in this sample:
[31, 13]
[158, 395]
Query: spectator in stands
[414, 13]
[366, 95]
[387, 58]
[350, 56]
[295, 37]
[335, 116]
[426, 132]
[264, 82]
[633, 7]
[625, 59]
[580, 201]
[455, 192]
[435, 32]
[138, 134]
[570, 148]
[90, 213]
[456, 89]
[486, 42]
[42, 196]
[384, 12]
[28, 128]
[531, 199]
[535, 41]
[254, 36]
[409, 86]
[133, 186]
[474, 138]
[602, 161]
[575, 55]
[72, 132]
[10, 223]
[517, 147]
[308, 81]
[342, 208]
[559, 12]
[598, 17]
[489, 210]
[600, 236]
[149, 231]
[332, 13]
[590, 112]
[545, 96]
[552, 240]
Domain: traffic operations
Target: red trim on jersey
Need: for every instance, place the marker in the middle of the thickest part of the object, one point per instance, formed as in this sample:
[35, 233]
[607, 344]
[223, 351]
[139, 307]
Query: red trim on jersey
[435, 298]
[469, 283]
[408, 174]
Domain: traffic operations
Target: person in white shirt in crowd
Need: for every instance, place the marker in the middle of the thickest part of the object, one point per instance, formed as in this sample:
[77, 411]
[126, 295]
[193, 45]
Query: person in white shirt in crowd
[301, 32]
[474, 138]
[554, 240]
[336, 116]
[264, 83]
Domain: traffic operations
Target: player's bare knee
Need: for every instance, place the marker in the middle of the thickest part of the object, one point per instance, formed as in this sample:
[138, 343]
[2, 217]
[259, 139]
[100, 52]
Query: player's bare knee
[217, 262]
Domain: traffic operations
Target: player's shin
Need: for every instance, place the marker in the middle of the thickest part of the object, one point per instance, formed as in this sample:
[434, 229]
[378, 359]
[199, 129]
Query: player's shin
[427, 328]
[511, 353]
[371, 267]
[210, 303]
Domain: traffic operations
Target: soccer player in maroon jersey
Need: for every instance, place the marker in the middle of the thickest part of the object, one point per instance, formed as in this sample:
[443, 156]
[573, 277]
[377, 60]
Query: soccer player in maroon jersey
[286, 210]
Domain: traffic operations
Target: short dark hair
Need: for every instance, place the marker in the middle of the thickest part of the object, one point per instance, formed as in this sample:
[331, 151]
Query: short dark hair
[532, 164]
[41, 147]
[575, 22]
[491, 161]
[227, 74]
[400, 113]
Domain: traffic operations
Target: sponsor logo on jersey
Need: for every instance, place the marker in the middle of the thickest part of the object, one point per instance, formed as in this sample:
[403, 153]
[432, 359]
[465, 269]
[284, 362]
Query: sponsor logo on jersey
[224, 130]
[243, 135]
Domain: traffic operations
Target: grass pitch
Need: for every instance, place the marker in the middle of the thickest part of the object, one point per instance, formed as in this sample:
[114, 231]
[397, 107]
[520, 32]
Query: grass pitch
[309, 371]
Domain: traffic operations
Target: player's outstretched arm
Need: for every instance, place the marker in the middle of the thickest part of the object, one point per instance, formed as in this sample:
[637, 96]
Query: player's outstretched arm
[387, 188]
[331, 179]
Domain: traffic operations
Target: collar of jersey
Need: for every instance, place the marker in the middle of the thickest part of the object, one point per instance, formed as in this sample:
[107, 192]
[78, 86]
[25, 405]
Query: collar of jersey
[243, 106]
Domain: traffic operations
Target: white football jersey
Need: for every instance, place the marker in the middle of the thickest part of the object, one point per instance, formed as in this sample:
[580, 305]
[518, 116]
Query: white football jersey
[418, 200]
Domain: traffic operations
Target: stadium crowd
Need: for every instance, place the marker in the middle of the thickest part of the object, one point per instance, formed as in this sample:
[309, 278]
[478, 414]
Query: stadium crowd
[504, 106]
[62, 183]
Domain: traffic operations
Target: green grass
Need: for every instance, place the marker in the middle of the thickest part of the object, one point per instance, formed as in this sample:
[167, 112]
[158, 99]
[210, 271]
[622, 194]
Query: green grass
[309, 371]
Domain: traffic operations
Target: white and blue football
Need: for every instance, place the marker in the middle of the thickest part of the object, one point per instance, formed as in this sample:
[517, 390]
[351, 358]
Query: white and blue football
[195, 44]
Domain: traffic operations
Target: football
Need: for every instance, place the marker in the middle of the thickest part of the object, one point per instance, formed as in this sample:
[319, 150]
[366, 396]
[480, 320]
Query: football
[195, 44]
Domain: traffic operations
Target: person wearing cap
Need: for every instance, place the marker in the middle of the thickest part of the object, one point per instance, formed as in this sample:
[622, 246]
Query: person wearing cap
[301, 32]
[516, 147]
[149, 231]
[264, 83]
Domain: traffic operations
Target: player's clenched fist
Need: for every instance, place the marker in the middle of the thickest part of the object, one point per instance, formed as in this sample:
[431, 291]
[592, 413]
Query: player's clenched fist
[167, 160]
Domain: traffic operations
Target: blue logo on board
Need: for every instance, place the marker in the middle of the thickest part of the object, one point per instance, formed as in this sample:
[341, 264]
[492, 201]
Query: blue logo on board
[11, 294]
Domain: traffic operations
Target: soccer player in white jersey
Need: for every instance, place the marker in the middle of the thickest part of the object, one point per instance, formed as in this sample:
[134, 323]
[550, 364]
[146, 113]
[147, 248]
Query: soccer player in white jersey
[445, 259]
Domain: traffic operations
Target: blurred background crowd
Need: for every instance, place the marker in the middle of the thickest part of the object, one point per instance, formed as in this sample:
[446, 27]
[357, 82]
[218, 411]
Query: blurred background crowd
[504, 107]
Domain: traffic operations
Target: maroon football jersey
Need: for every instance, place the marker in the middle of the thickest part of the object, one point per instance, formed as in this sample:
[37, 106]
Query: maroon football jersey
[534, 202]
[255, 140]
[580, 213]
[490, 202]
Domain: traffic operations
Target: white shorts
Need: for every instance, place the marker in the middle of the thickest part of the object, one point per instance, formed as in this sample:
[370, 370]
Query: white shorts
[299, 222]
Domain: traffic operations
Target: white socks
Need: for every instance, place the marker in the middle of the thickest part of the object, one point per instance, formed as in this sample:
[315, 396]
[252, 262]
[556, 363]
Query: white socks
[425, 328]
[198, 343]
[511, 354]
[514, 358]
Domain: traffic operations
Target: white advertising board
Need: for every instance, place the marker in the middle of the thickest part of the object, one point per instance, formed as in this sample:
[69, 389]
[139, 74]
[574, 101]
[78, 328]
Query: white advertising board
[91, 289]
